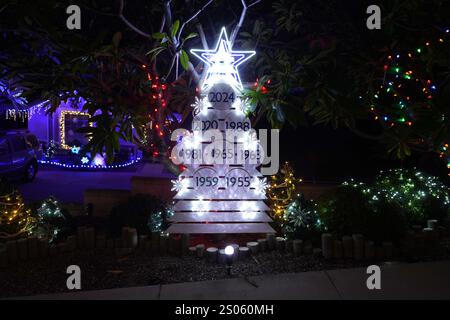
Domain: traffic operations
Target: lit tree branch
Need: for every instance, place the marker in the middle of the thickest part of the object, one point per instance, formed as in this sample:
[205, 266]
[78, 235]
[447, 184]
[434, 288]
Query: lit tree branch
[169, 23]
[202, 35]
[129, 24]
[166, 21]
[163, 22]
[194, 72]
[192, 18]
[241, 19]
[168, 13]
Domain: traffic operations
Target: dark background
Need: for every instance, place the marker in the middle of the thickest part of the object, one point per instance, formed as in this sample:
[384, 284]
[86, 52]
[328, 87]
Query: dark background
[332, 155]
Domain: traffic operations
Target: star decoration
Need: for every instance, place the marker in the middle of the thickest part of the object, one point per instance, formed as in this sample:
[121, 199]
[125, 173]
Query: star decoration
[75, 149]
[222, 62]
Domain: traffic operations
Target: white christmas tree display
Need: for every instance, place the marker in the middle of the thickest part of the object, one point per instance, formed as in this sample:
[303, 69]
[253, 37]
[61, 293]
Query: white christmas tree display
[221, 190]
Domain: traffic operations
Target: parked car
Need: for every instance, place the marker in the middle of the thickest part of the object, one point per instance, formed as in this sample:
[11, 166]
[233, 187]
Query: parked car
[35, 144]
[17, 156]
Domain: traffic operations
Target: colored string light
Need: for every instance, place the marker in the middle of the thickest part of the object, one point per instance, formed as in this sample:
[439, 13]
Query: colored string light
[15, 218]
[89, 166]
[62, 125]
[281, 190]
[407, 87]
[404, 83]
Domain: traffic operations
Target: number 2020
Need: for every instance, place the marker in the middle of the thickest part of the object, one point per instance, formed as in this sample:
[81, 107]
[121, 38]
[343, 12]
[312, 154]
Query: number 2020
[221, 97]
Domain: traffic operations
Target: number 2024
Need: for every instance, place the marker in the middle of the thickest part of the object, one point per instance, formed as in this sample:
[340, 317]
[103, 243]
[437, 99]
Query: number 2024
[221, 97]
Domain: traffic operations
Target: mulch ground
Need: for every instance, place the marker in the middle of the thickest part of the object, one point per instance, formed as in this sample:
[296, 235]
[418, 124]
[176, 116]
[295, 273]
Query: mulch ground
[104, 270]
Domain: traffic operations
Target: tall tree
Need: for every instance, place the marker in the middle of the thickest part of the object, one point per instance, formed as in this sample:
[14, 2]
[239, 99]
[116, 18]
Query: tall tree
[317, 63]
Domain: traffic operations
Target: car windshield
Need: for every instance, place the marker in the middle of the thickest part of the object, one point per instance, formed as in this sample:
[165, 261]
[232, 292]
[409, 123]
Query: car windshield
[32, 140]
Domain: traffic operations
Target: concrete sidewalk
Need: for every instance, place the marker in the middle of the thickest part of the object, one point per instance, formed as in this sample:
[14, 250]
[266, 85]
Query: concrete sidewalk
[430, 280]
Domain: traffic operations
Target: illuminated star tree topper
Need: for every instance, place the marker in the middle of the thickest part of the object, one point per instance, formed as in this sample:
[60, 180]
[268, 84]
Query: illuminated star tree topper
[222, 63]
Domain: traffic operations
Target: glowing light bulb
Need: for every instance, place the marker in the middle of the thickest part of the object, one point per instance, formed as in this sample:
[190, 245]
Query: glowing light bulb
[229, 250]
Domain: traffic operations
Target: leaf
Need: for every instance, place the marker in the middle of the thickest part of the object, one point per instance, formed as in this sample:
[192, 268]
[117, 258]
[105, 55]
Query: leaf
[190, 36]
[28, 20]
[245, 34]
[158, 35]
[175, 27]
[154, 52]
[116, 39]
[184, 60]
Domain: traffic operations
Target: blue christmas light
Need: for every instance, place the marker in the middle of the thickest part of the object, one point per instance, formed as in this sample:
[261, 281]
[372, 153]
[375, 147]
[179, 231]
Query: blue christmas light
[89, 166]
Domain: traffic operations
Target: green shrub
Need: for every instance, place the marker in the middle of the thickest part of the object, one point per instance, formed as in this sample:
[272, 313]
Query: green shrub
[345, 210]
[301, 221]
[382, 211]
[52, 221]
[433, 209]
[353, 208]
[143, 212]
[421, 196]
[386, 221]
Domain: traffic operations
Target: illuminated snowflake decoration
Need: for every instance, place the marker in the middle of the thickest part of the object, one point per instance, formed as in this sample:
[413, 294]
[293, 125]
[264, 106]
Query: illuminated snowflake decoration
[200, 105]
[260, 185]
[84, 160]
[200, 206]
[178, 185]
[242, 105]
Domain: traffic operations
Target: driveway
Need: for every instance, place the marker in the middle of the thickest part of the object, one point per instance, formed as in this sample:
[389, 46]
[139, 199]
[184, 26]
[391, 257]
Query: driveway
[68, 185]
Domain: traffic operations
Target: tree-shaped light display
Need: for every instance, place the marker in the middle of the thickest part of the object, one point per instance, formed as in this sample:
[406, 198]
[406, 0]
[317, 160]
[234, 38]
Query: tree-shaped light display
[221, 191]
[15, 219]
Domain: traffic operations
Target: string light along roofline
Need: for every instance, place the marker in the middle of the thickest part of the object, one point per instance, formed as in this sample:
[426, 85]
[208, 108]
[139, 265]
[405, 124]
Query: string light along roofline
[222, 62]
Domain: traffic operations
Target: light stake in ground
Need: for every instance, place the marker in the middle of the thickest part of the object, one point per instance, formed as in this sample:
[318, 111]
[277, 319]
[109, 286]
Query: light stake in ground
[229, 251]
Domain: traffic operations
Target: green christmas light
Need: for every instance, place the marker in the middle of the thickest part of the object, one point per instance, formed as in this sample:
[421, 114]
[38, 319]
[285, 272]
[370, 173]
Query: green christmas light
[412, 190]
